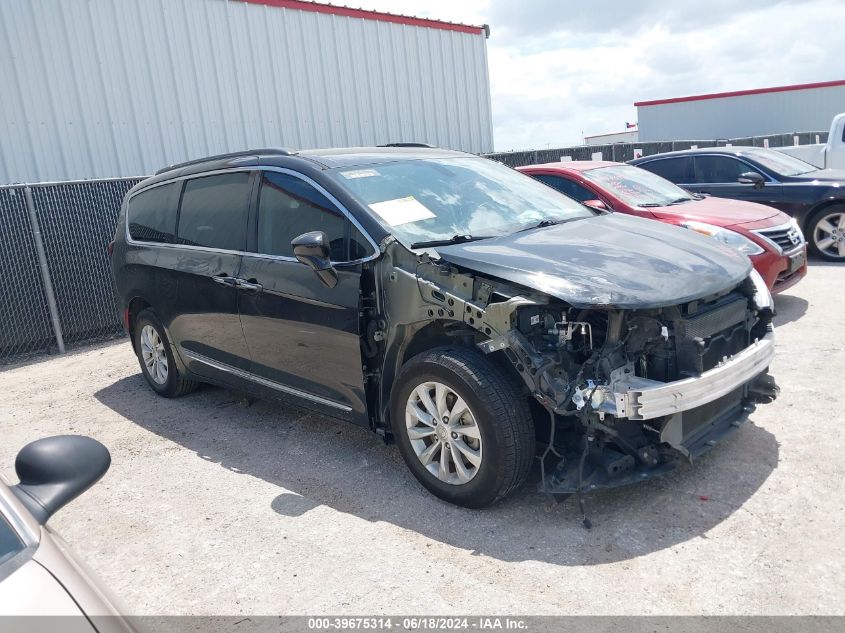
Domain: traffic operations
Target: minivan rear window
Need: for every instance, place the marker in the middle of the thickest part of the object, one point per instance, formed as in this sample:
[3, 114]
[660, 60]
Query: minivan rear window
[214, 211]
[152, 214]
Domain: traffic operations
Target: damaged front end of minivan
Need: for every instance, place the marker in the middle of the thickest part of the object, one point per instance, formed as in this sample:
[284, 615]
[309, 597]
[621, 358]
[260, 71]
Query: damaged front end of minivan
[627, 389]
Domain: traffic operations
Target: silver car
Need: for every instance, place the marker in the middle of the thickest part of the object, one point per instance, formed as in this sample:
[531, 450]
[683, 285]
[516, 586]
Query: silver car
[39, 576]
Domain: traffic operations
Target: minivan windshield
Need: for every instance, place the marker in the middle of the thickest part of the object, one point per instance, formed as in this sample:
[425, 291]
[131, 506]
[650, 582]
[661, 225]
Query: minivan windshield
[431, 199]
[637, 187]
[780, 163]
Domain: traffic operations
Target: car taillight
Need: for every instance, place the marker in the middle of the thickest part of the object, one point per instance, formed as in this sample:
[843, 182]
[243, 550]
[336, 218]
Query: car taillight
[125, 316]
[110, 248]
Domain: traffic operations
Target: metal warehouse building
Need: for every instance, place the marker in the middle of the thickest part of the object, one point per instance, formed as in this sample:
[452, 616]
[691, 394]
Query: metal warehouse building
[112, 88]
[782, 109]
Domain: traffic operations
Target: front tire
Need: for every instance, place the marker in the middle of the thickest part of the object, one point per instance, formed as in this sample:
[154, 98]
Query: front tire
[462, 426]
[826, 234]
[155, 356]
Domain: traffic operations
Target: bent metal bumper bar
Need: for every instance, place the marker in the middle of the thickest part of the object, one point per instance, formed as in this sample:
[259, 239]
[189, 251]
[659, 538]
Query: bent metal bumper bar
[642, 399]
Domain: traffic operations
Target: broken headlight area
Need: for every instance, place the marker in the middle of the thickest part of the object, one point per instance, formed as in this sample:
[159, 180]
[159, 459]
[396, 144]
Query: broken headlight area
[632, 393]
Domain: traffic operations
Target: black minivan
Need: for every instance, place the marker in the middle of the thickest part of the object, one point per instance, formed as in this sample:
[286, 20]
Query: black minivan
[449, 303]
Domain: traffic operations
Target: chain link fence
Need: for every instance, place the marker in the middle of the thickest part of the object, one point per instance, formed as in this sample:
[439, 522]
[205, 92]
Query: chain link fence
[56, 281]
[24, 317]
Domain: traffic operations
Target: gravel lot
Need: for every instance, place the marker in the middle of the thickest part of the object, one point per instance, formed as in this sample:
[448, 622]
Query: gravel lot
[214, 506]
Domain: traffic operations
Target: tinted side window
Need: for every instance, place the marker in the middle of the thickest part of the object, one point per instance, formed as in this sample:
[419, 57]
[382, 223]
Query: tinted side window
[571, 189]
[677, 170]
[152, 214]
[288, 207]
[718, 169]
[214, 209]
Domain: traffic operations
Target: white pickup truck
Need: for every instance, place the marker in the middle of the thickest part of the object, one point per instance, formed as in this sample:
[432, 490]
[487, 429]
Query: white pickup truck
[830, 155]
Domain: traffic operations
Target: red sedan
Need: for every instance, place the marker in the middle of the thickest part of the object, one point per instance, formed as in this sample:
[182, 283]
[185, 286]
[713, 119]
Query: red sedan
[771, 239]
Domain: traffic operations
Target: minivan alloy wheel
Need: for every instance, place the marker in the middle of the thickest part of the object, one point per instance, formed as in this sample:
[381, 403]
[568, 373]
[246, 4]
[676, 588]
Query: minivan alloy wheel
[829, 234]
[153, 354]
[443, 433]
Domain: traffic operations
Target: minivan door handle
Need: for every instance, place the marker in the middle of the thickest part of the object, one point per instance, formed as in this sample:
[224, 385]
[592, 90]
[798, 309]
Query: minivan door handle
[249, 285]
[225, 280]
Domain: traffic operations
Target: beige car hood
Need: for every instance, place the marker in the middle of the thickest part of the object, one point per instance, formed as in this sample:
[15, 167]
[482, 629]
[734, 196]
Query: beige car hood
[32, 590]
[53, 583]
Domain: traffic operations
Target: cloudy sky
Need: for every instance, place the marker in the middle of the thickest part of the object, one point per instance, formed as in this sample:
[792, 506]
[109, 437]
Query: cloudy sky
[559, 70]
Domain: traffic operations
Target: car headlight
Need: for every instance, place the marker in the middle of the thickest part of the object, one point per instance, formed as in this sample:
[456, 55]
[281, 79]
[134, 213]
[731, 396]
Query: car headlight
[762, 296]
[726, 236]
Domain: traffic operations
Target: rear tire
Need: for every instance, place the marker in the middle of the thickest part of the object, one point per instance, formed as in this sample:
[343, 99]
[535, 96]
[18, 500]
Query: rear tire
[826, 233]
[155, 355]
[488, 444]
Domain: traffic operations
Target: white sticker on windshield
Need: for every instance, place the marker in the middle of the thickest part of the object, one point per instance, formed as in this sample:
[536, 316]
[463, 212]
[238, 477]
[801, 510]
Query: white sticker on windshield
[402, 211]
[359, 173]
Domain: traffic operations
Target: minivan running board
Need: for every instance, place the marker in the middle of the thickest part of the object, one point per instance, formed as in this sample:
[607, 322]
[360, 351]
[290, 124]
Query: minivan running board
[205, 360]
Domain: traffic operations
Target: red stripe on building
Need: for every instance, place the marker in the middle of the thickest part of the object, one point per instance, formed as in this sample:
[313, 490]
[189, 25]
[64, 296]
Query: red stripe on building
[742, 93]
[302, 5]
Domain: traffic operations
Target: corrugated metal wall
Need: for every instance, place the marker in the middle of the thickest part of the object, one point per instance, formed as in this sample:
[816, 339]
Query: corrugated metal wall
[746, 115]
[110, 88]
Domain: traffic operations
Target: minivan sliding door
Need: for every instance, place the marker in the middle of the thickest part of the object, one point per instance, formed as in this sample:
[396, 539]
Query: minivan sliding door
[211, 235]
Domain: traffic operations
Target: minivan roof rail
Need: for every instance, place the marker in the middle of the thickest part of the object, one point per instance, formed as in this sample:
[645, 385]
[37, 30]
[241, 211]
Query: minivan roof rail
[273, 151]
[408, 145]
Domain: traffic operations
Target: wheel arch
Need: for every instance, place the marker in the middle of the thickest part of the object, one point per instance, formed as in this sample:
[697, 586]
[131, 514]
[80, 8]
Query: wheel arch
[834, 206]
[414, 339]
[436, 334]
[814, 211]
[409, 341]
[133, 308]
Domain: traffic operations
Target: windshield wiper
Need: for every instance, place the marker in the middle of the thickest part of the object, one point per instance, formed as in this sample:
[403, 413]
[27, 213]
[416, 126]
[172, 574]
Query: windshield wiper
[542, 223]
[555, 221]
[455, 239]
[666, 204]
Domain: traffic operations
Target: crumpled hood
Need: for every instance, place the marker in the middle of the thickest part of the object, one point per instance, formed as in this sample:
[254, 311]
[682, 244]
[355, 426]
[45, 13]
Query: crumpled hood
[608, 260]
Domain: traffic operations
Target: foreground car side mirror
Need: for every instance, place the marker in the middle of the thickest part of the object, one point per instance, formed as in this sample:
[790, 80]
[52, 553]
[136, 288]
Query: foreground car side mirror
[595, 204]
[312, 249]
[54, 471]
[751, 178]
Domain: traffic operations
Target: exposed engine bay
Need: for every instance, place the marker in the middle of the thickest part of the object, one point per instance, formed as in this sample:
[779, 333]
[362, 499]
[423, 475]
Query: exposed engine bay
[623, 394]
[601, 372]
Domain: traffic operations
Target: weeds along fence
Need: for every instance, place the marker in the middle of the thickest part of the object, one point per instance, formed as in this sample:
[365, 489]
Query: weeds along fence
[55, 281]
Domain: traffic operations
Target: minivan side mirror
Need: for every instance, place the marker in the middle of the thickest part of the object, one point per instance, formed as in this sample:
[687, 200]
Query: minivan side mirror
[53, 471]
[751, 178]
[595, 204]
[312, 249]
